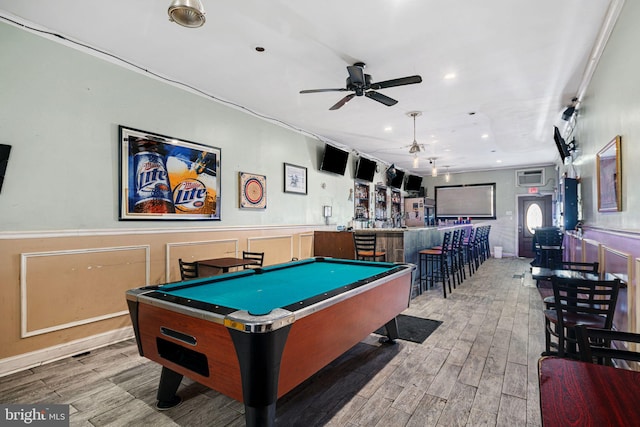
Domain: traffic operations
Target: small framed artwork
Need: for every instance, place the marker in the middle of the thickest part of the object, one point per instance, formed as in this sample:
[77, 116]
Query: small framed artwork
[609, 175]
[295, 179]
[165, 178]
[253, 191]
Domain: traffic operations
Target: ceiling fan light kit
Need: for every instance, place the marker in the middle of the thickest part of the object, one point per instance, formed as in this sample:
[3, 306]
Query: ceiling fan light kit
[360, 84]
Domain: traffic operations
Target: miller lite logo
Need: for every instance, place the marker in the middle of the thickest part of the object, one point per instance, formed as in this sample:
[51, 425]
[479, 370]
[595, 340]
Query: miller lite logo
[189, 196]
[151, 175]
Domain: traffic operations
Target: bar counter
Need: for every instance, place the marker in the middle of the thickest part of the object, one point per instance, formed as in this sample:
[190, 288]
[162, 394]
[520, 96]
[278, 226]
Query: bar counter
[401, 244]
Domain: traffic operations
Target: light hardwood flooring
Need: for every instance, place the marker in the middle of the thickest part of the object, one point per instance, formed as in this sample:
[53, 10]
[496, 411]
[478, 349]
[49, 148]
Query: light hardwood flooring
[479, 368]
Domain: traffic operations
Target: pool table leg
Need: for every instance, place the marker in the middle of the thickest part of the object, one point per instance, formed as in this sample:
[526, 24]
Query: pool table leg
[169, 383]
[392, 332]
[259, 355]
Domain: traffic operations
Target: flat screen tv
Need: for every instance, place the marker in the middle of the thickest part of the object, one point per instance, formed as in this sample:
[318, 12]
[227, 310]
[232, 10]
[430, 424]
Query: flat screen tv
[396, 181]
[562, 146]
[4, 160]
[413, 183]
[334, 160]
[366, 169]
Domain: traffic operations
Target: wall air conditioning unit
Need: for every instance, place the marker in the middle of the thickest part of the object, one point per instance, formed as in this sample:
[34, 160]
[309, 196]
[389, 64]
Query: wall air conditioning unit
[530, 177]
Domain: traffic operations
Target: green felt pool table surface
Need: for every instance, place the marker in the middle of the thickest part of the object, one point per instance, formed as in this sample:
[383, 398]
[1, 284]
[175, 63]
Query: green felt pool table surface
[277, 286]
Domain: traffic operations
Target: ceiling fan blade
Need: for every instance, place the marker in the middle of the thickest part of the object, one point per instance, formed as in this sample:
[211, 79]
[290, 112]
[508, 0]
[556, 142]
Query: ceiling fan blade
[342, 101]
[323, 90]
[397, 82]
[384, 99]
[356, 74]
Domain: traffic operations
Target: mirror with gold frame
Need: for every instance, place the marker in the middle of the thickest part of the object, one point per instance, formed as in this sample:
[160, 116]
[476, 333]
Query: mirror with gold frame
[609, 174]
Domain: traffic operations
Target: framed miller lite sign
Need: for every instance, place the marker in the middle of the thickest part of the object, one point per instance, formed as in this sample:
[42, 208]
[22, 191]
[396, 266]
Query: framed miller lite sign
[164, 178]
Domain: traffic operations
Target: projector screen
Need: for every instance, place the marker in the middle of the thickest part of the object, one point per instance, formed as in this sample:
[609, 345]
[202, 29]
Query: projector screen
[475, 201]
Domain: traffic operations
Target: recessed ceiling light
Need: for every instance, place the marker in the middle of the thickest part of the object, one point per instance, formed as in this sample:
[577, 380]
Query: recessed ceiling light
[498, 161]
[485, 136]
[388, 129]
[450, 76]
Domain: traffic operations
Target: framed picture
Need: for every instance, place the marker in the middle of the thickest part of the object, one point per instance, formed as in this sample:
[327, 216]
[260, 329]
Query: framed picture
[164, 178]
[295, 179]
[609, 174]
[253, 191]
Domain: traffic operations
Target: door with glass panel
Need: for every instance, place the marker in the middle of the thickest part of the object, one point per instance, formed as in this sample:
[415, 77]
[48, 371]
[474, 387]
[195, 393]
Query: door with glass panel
[533, 212]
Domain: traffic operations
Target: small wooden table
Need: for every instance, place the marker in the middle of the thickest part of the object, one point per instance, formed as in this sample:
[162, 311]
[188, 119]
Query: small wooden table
[574, 393]
[225, 263]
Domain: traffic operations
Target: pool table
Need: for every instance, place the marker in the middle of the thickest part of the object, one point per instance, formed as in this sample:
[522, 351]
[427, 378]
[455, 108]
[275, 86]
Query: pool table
[256, 334]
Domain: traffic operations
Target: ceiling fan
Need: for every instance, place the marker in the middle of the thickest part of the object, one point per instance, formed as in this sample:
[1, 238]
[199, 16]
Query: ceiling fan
[360, 84]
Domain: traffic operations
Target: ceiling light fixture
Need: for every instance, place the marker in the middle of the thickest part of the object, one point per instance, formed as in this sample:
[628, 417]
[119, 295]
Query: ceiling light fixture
[188, 13]
[415, 147]
[434, 170]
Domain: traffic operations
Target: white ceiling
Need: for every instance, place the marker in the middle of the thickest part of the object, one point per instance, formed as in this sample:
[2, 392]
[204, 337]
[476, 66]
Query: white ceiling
[517, 65]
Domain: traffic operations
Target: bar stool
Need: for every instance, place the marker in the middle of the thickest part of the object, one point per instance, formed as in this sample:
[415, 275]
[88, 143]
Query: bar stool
[485, 241]
[468, 250]
[434, 265]
[453, 258]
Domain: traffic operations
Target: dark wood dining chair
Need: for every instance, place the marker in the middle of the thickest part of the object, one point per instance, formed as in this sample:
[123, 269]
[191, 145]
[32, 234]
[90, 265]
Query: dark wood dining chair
[547, 243]
[256, 257]
[603, 346]
[578, 302]
[188, 270]
[544, 286]
[365, 245]
[587, 267]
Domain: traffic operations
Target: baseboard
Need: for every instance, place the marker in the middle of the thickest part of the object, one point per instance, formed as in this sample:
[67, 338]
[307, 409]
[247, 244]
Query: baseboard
[24, 361]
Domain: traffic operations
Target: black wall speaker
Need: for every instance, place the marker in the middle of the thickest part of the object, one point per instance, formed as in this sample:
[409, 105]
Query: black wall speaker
[4, 160]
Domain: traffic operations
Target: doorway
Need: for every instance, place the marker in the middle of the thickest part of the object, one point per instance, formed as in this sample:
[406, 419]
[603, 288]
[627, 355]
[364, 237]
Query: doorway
[533, 212]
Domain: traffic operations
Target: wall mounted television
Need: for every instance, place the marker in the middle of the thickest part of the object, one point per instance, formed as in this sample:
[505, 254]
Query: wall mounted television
[334, 160]
[396, 181]
[473, 200]
[4, 160]
[563, 149]
[366, 169]
[413, 183]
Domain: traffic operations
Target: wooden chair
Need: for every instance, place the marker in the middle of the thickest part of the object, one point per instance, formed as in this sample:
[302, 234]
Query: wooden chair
[595, 345]
[256, 257]
[547, 243]
[188, 270]
[587, 267]
[366, 248]
[578, 302]
[545, 289]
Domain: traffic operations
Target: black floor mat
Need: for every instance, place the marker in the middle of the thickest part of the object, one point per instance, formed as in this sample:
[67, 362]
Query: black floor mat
[414, 329]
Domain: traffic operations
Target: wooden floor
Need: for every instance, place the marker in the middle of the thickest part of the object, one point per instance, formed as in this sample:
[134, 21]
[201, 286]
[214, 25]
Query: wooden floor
[479, 368]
